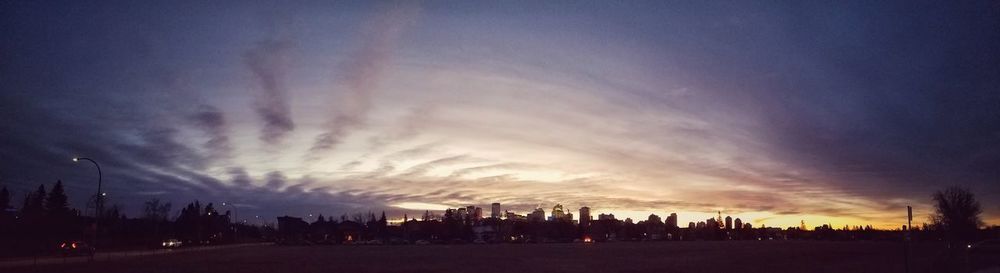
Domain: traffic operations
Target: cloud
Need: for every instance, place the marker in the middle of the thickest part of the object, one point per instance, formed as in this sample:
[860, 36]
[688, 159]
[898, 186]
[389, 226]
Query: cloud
[363, 73]
[240, 178]
[268, 60]
[212, 122]
[275, 180]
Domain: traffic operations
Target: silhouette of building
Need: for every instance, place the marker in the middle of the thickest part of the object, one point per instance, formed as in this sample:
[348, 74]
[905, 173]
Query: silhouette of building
[537, 216]
[738, 224]
[654, 228]
[462, 213]
[558, 214]
[292, 228]
[672, 221]
[495, 210]
[653, 218]
[603, 216]
[729, 223]
[691, 225]
[711, 223]
[479, 213]
[514, 216]
[585, 216]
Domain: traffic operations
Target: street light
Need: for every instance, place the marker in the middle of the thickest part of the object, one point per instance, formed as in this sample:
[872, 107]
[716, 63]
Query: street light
[100, 196]
[236, 217]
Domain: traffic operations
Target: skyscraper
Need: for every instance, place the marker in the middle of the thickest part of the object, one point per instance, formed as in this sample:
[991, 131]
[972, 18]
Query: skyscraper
[729, 222]
[479, 213]
[738, 224]
[472, 211]
[558, 213]
[537, 216]
[608, 216]
[672, 221]
[495, 210]
[584, 216]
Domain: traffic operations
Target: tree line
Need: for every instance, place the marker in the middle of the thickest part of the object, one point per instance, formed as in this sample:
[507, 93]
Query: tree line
[44, 220]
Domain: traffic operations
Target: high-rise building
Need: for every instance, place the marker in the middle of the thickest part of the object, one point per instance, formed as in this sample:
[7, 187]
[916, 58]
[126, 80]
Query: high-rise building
[672, 221]
[495, 210]
[537, 216]
[479, 213]
[738, 224]
[729, 222]
[514, 216]
[472, 211]
[585, 216]
[462, 214]
[603, 216]
[557, 213]
[653, 218]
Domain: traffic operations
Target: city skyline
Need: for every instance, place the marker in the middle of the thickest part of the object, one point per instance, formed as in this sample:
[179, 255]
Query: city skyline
[825, 113]
[664, 216]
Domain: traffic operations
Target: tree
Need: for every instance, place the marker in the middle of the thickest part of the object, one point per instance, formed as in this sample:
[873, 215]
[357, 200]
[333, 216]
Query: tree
[34, 203]
[4, 200]
[57, 202]
[156, 211]
[956, 213]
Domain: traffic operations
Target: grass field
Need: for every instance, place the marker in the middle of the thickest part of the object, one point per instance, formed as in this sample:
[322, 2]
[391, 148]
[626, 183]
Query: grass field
[783, 256]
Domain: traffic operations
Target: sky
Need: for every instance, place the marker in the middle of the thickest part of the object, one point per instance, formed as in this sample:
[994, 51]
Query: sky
[773, 112]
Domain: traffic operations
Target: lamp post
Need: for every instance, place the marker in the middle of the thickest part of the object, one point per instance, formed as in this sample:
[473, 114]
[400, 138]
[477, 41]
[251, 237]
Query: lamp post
[236, 217]
[100, 197]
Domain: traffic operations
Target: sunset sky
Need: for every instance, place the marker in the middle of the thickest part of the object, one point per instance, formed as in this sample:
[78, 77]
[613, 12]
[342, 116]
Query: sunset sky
[841, 113]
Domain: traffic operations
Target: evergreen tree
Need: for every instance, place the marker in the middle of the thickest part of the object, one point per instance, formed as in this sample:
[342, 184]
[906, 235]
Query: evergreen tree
[57, 202]
[4, 199]
[210, 210]
[26, 204]
[36, 203]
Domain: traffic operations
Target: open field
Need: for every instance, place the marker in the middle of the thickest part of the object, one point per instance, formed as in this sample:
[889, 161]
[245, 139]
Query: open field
[744, 257]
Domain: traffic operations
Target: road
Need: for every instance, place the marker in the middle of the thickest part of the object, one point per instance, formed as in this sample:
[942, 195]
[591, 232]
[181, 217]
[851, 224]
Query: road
[743, 257]
[109, 256]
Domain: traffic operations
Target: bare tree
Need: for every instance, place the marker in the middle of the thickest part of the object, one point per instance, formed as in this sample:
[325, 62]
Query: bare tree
[156, 211]
[957, 213]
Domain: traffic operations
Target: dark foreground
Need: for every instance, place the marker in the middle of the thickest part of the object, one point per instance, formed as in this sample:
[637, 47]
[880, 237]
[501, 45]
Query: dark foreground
[744, 257]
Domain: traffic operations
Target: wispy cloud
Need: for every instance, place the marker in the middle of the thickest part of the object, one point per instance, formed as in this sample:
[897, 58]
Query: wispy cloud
[212, 122]
[363, 73]
[268, 60]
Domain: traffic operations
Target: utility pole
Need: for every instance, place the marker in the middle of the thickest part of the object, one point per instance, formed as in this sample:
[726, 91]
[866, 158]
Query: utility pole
[906, 239]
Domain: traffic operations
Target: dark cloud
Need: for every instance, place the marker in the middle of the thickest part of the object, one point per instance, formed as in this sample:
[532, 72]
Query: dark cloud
[240, 178]
[268, 60]
[275, 180]
[213, 123]
[363, 73]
